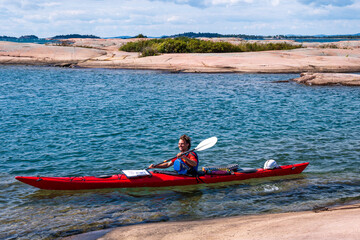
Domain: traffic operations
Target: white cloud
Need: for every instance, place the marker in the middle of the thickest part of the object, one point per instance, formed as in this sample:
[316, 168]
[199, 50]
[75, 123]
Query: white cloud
[338, 3]
[173, 19]
[50, 4]
[164, 17]
[229, 2]
[275, 2]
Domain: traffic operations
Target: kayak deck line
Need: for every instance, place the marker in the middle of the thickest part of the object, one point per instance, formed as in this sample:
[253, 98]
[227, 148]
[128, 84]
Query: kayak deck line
[156, 179]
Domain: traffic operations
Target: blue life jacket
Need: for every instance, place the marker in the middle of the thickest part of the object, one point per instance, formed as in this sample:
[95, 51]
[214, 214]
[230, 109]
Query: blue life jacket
[182, 168]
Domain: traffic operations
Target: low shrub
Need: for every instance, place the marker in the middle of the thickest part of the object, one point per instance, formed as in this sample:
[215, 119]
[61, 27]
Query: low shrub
[330, 45]
[190, 45]
[149, 51]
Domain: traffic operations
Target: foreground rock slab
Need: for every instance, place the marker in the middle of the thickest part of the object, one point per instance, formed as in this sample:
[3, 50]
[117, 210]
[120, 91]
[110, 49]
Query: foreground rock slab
[287, 61]
[336, 223]
[322, 79]
[39, 54]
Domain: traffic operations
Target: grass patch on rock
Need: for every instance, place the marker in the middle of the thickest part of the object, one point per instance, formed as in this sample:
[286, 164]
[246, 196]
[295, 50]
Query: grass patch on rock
[154, 47]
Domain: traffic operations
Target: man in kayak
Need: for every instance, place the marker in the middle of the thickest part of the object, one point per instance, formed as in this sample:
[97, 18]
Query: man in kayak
[183, 163]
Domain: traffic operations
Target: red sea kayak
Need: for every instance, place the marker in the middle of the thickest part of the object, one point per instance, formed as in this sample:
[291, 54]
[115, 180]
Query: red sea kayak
[156, 179]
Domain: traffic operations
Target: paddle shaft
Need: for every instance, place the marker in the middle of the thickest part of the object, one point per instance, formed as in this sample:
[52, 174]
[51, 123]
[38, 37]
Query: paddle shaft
[207, 143]
[184, 153]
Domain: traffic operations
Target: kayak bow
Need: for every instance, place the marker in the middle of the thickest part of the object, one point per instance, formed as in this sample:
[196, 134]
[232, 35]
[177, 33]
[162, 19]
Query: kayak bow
[156, 179]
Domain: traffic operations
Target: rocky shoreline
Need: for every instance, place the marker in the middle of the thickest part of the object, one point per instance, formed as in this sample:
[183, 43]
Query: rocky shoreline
[325, 223]
[339, 57]
[322, 79]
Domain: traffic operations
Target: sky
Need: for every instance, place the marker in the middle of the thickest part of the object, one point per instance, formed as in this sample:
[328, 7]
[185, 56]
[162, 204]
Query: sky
[155, 18]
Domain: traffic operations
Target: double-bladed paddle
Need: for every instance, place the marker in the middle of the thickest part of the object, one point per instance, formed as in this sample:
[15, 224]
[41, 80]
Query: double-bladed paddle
[205, 144]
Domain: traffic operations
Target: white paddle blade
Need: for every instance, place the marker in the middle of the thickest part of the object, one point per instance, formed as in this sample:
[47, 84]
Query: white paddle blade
[207, 143]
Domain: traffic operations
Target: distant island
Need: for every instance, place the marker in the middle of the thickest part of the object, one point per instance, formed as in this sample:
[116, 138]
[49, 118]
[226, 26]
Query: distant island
[20, 39]
[262, 37]
[33, 38]
[73, 36]
[215, 35]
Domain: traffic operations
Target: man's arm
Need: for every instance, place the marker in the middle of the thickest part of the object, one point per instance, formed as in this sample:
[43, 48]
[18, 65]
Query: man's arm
[191, 160]
[162, 165]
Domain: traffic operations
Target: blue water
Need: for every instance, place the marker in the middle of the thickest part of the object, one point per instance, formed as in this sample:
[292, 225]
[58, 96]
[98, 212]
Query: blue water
[69, 122]
[38, 41]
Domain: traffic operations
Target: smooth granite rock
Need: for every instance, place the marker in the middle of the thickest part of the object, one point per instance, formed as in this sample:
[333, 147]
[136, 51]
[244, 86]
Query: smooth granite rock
[329, 79]
[104, 53]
